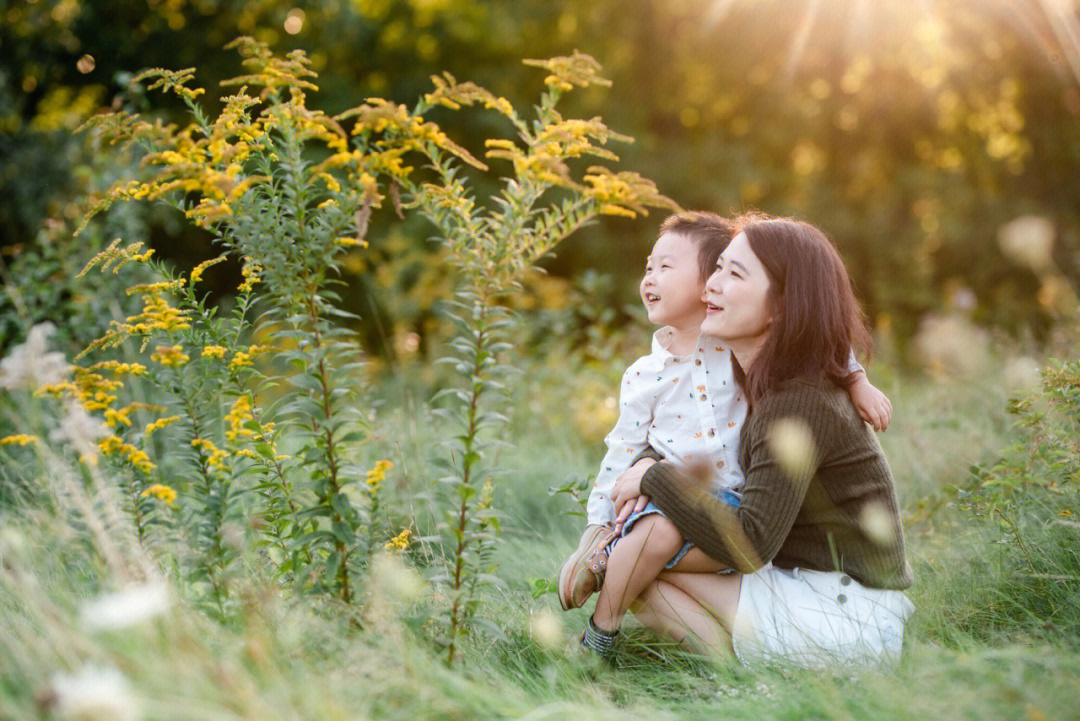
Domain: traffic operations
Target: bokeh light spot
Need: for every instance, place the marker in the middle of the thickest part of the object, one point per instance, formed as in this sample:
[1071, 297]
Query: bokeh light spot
[689, 116]
[294, 21]
[86, 64]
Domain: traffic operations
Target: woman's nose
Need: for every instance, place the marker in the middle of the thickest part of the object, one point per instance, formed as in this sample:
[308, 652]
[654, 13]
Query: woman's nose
[712, 285]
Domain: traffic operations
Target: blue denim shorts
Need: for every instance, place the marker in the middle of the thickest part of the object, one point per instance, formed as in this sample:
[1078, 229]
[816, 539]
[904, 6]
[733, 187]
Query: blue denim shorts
[727, 496]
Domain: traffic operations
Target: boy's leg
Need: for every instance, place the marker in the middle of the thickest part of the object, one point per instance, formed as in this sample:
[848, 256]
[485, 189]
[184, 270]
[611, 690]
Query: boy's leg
[695, 561]
[634, 563]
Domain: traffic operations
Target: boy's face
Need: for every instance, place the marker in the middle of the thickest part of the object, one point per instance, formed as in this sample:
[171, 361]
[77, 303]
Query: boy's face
[672, 287]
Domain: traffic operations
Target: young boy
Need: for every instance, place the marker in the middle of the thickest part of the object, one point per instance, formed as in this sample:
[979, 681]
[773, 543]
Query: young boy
[682, 400]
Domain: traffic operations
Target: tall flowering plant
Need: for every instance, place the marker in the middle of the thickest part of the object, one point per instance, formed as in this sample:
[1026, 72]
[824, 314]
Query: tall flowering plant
[493, 242]
[247, 177]
[263, 402]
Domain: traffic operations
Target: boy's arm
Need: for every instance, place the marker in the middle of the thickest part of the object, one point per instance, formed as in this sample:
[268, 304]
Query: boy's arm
[873, 406]
[628, 438]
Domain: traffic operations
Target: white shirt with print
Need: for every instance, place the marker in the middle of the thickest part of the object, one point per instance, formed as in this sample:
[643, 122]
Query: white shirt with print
[685, 407]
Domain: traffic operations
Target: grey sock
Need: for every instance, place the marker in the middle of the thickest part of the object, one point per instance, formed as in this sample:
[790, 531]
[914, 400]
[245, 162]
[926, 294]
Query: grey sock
[598, 640]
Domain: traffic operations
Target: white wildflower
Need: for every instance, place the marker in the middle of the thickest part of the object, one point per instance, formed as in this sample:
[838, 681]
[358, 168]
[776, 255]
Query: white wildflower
[80, 429]
[396, 579]
[951, 346]
[546, 629]
[11, 541]
[30, 364]
[93, 694]
[129, 607]
[1022, 374]
[1029, 241]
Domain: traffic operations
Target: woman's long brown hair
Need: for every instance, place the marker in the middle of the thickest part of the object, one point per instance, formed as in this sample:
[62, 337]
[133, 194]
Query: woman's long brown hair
[816, 318]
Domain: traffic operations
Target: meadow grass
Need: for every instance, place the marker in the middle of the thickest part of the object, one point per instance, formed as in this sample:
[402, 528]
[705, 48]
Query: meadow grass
[991, 638]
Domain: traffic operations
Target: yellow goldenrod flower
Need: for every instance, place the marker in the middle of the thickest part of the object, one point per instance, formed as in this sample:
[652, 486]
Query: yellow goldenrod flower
[352, 241]
[399, 542]
[160, 423]
[377, 475]
[22, 439]
[115, 445]
[213, 351]
[119, 417]
[135, 369]
[170, 355]
[161, 492]
[197, 271]
[237, 417]
[215, 457]
[241, 359]
[55, 389]
[157, 288]
[114, 254]
[251, 273]
[331, 182]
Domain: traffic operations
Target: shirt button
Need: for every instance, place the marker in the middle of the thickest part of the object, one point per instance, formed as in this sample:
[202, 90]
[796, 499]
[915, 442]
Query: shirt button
[719, 464]
[703, 396]
[845, 580]
[697, 362]
[841, 598]
[712, 432]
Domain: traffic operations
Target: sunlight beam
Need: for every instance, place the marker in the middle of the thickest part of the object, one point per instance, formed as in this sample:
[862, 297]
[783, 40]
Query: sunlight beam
[799, 45]
[1066, 28]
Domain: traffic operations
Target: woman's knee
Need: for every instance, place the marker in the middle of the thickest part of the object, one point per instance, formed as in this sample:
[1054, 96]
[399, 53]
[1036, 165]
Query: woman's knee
[645, 607]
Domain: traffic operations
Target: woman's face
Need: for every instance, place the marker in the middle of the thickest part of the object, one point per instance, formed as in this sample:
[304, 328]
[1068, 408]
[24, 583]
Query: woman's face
[736, 309]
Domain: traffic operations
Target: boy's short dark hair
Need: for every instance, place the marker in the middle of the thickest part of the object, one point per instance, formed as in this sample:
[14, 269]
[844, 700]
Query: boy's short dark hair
[711, 233]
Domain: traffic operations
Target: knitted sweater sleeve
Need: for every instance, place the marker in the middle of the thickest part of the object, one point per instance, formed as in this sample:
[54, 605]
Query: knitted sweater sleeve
[785, 440]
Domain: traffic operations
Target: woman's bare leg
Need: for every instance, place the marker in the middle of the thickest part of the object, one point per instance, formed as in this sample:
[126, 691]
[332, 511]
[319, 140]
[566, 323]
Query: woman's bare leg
[700, 625]
[635, 562]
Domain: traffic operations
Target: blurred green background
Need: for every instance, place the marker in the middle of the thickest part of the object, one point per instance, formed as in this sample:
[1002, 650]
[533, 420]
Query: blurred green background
[936, 142]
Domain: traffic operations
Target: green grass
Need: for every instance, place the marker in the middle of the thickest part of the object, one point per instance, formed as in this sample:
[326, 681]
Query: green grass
[990, 638]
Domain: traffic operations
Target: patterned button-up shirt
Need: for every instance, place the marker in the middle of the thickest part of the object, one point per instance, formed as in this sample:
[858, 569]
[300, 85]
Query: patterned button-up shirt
[685, 407]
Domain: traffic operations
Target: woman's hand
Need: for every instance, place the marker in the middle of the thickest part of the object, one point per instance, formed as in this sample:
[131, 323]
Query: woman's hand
[627, 492]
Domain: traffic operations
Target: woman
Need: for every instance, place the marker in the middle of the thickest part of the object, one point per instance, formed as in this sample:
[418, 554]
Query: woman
[817, 538]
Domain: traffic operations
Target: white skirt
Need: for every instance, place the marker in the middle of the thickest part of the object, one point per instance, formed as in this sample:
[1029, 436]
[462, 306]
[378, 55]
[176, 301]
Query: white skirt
[816, 618]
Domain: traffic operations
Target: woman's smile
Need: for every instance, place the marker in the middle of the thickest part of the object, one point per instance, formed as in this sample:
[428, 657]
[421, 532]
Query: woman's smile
[736, 297]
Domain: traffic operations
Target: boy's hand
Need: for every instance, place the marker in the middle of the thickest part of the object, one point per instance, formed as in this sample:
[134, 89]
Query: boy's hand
[873, 406]
[627, 492]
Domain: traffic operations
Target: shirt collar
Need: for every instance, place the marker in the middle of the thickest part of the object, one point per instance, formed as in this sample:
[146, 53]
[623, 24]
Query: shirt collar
[661, 342]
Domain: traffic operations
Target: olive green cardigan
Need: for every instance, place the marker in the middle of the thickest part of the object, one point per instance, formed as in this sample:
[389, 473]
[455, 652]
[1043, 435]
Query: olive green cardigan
[818, 493]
